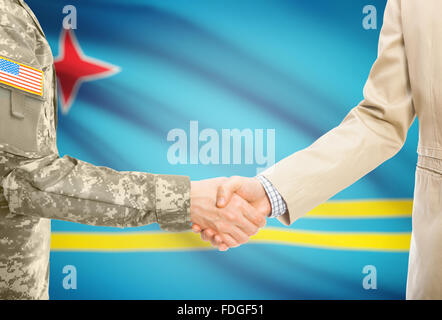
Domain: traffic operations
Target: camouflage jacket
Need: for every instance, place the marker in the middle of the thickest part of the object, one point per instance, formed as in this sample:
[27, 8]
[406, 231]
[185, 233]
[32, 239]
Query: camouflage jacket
[37, 185]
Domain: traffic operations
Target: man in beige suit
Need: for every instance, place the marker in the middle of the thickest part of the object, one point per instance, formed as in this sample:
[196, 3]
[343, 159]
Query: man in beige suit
[405, 81]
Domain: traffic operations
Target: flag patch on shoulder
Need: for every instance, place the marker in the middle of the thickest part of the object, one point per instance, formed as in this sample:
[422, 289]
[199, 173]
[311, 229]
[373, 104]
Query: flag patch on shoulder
[20, 76]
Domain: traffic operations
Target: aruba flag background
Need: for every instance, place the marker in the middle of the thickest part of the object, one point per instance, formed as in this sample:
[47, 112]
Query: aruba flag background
[135, 69]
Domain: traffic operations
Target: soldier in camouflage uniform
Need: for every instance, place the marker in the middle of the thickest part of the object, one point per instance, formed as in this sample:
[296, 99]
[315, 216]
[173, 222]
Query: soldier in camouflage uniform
[36, 185]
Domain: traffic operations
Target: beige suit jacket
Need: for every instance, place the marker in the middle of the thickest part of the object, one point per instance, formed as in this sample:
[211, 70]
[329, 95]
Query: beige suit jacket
[405, 81]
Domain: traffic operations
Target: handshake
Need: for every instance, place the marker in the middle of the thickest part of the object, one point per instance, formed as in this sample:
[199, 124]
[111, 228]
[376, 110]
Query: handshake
[227, 211]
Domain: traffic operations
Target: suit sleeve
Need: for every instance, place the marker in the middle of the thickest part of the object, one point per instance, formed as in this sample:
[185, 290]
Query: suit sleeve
[370, 134]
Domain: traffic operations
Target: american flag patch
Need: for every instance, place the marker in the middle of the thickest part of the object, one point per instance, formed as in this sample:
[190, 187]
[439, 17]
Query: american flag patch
[20, 76]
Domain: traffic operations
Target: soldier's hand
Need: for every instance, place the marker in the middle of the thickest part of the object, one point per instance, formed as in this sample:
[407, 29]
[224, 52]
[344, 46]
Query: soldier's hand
[234, 224]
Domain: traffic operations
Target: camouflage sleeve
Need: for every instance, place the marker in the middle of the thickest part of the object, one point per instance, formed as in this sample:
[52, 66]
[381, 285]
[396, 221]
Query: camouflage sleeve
[72, 190]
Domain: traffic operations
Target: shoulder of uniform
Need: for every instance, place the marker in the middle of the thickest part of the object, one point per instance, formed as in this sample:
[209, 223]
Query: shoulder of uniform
[18, 37]
[13, 15]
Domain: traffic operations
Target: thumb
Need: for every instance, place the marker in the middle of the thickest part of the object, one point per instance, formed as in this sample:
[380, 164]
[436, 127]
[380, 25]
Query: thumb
[226, 191]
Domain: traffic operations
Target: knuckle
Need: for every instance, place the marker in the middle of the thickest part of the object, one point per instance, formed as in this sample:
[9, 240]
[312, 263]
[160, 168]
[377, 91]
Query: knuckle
[222, 189]
[264, 222]
[208, 234]
[256, 221]
[254, 231]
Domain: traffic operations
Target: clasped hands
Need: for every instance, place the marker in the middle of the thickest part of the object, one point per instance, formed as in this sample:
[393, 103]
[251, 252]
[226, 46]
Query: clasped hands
[228, 211]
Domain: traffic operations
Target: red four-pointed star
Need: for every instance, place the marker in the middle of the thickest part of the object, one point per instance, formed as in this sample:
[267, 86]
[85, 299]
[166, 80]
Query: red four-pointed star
[73, 68]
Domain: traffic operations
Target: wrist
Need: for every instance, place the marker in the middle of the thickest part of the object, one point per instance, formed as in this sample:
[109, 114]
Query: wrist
[265, 206]
[194, 185]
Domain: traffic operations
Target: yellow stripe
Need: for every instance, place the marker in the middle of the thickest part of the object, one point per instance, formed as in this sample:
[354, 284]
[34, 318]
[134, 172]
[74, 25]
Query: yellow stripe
[363, 209]
[161, 241]
[372, 241]
[126, 241]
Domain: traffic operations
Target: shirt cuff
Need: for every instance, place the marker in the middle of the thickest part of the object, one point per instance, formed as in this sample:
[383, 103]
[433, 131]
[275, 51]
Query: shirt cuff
[279, 207]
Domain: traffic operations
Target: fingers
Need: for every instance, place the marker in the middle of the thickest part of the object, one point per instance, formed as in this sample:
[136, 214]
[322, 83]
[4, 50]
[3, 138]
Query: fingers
[218, 239]
[196, 228]
[245, 224]
[226, 227]
[245, 216]
[205, 215]
[229, 241]
[237, 222]
[234, 223]
[226, 190]
[253, 218]
[215, 239]
[223, 247]
[208, 235]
